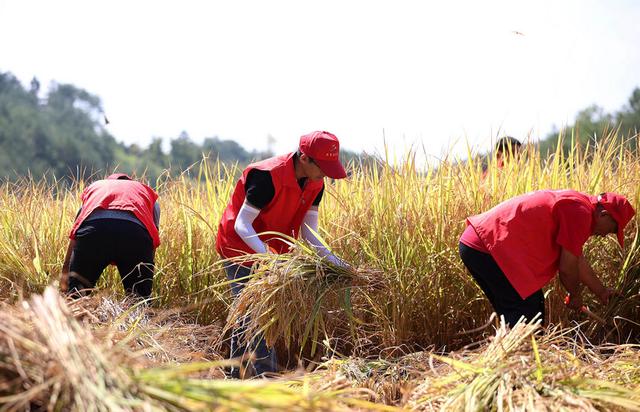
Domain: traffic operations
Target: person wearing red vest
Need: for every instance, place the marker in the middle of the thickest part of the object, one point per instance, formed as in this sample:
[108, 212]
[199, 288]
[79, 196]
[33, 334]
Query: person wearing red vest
[116, 224]
[516, 248]
[280, 194]
[507, 148]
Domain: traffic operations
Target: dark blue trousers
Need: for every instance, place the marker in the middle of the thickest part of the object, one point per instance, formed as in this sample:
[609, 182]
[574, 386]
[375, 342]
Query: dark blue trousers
[265, 357]
[495, 285]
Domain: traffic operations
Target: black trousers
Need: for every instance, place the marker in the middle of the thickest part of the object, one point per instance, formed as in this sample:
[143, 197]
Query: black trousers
[103, 241]
[495, 285]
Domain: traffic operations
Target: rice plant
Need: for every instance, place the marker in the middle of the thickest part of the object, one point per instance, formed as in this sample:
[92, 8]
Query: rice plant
[51, 361]
[408, 309]
[302, 299]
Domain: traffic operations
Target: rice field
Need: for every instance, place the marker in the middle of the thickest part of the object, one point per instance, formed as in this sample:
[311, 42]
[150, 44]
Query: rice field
[408, 329]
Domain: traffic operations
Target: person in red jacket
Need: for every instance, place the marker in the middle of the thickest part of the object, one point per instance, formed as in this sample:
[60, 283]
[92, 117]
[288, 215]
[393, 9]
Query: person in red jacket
[116, 224]
[280, 194]
[516, 248]
[507, 149]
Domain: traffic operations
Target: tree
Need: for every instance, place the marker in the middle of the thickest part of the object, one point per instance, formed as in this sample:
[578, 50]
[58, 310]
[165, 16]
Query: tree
[593, 123]
[629, 118]
[63, 136]
[184, 152]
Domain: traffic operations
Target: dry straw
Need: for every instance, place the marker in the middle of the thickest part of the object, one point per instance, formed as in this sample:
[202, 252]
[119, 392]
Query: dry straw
[49, 360]
[302, 299]
[520, 369]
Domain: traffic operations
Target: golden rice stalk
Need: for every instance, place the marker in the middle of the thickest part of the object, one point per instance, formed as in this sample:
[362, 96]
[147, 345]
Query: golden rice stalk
[51, 361]
[302, 299]
[520, 370]
[617, 322]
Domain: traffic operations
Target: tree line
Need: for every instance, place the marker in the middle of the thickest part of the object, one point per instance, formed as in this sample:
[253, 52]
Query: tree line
[63, 135]
[594, 123]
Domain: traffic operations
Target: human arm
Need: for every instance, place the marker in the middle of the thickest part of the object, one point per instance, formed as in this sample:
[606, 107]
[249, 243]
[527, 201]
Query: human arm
[575, 272]
[591, 280]
[156, 215]
[259, 192]
[574, 229]
[244, 227]
[310, 229]
[568, 270]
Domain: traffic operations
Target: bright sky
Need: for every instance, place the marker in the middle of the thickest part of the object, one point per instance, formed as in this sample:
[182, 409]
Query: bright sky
[415, 72]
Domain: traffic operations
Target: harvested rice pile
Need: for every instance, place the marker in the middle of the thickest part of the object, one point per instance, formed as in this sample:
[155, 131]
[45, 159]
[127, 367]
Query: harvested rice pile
[518, 370]
[50, 360]
[159, 336]
[302, 300]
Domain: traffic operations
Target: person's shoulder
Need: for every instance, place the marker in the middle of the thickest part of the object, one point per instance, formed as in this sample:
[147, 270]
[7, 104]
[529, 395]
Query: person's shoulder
[259, 176]
[270, 162]
[572, 207]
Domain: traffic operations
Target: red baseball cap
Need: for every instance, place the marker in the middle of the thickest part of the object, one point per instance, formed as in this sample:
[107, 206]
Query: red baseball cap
[620, 210]
[324, 149]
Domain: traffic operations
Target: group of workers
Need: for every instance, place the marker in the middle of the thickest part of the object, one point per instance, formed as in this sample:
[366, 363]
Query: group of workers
[512, 250]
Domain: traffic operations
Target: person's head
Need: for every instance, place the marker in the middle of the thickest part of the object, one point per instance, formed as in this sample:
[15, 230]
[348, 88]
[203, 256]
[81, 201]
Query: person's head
[118, 176]
[611, 215]
[319, 156]
[507, 147]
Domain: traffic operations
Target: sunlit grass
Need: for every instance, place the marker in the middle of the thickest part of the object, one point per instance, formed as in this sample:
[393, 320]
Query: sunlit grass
[401, 219]
[398, 224]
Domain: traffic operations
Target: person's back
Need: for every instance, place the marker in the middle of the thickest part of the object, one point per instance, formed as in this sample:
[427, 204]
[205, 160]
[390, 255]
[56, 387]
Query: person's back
[523, 231]
[117, 223]
[514, 249]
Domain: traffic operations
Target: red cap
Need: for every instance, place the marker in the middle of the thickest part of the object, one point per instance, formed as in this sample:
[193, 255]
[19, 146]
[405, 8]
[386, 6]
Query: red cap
[620, 210]
[117, 176]
[324, 149]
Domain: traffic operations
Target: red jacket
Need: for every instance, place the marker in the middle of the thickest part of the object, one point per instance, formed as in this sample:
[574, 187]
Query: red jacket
[522, 235]
[284, 214]
[113, 194]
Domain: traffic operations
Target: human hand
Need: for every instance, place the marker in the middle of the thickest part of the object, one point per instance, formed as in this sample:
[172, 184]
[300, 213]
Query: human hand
[64, 282]
[339, 262]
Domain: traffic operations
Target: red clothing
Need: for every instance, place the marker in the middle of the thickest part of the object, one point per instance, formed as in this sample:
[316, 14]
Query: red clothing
[113, 194]
[284, 214]
[470, 238]
[525, 234]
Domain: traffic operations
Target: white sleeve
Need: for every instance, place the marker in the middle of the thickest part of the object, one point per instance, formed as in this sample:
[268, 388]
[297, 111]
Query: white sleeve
[244, 227]
[308, 231]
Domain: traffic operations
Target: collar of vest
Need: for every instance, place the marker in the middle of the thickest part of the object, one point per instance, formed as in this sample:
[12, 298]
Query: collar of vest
[289, 172]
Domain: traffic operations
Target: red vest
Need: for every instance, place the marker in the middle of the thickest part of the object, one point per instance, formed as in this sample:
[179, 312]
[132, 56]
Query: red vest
[115, 194]
[520, 234]
[284, 214]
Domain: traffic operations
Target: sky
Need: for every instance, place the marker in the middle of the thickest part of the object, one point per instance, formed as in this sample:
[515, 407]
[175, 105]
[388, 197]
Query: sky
[431, 75]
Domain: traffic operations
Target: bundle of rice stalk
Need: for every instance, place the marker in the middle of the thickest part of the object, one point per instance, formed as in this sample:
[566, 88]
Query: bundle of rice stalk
[50, 361]
[300, 298]
[521, 371]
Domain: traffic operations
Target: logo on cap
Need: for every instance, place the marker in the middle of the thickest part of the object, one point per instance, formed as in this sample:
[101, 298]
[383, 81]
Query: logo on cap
[333, 151]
